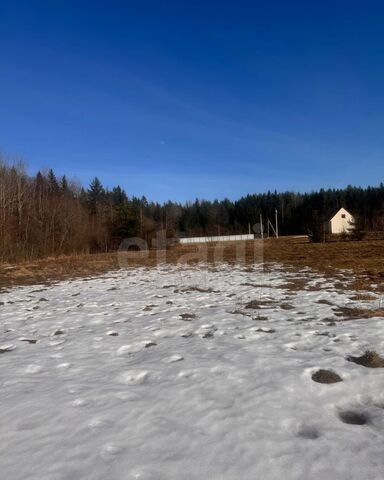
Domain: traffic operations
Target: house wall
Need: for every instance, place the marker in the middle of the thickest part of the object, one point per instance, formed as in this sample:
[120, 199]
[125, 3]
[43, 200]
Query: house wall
[340, 224]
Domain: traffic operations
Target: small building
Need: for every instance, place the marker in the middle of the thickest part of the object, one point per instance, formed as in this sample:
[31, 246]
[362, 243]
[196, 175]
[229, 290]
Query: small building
[341, 222]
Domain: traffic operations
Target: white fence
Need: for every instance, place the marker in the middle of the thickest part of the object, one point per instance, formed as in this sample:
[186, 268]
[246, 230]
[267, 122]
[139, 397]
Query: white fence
[220, 238]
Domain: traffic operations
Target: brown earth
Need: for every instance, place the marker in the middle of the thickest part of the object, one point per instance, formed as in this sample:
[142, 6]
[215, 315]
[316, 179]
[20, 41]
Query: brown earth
[362, 261]
[326, 376]
[348, 313]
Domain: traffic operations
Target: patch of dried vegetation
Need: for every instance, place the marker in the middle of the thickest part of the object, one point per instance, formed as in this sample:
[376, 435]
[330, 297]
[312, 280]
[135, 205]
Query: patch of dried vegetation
[361, 261]
[369, 359]
[348, 313]
[326, 376]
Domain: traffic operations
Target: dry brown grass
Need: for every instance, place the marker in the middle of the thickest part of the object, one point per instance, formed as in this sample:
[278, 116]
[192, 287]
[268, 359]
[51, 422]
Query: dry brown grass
[348, 313]
[326, 376]
[52, 269]
[255, 304]
[187, 316]
[364, 260]
[369, 359]
[362, 297]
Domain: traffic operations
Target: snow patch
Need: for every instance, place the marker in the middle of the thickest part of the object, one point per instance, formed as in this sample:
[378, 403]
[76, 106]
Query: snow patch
[134, 377]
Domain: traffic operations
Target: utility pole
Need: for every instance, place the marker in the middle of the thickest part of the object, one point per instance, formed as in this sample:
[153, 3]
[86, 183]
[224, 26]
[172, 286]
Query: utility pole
[249, 228]
[270, 226]
[261, 226]
[276, 224]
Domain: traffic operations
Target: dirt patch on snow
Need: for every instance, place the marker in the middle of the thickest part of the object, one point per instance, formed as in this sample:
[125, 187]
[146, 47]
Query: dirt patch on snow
[353, 418]
[187, 316]
[369, 359]
[323, 301]
[326, 376]
[348, 313]
[255, 304]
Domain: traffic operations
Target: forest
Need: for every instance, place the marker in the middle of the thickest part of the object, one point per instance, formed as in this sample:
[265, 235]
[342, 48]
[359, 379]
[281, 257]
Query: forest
[44, 215]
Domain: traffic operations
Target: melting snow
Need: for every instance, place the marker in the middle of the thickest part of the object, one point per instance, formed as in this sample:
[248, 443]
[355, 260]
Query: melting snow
[106, 379]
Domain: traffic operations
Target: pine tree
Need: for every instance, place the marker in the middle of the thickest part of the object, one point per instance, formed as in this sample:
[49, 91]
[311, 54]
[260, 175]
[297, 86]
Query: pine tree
[64, 184]
[95, 194]
[53, 184]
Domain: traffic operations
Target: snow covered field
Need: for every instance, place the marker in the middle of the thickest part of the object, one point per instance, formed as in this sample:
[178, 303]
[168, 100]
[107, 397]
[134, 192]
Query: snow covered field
[171, 373]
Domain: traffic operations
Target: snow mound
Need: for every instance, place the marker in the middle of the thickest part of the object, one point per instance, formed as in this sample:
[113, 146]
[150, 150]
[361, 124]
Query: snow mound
[134, 377]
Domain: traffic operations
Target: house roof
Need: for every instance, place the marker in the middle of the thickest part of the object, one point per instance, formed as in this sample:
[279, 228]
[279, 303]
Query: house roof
[334, 212]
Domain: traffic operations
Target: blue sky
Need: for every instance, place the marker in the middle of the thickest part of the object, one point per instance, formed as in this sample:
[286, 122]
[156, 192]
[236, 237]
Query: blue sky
[213, 99]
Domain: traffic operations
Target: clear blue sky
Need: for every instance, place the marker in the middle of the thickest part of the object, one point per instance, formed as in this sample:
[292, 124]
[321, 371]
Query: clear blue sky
[177, 99]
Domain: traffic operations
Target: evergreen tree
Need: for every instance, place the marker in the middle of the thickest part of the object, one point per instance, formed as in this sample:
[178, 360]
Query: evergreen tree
[53, 184]
[64, 184]
[95, 195]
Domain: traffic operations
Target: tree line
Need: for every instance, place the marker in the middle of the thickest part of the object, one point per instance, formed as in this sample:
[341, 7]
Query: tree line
[44, 215]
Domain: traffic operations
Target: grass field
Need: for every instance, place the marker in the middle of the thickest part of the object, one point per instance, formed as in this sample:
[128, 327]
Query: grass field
[363, 261]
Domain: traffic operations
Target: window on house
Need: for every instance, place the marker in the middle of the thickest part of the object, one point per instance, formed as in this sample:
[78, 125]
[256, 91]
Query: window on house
[343, 215]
